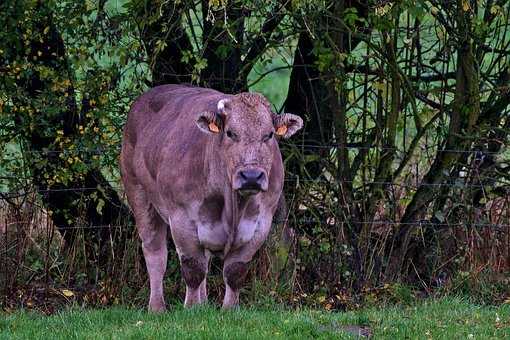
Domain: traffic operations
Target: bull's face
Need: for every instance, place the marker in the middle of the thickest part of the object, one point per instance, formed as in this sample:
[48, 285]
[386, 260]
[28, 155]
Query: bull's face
[247, 131]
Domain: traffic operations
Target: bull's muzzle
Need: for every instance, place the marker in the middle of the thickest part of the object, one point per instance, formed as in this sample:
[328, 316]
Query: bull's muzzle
[250, 181]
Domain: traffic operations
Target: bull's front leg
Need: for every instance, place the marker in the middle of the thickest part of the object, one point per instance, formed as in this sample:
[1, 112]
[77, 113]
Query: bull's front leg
[235, 266]
[234, 274]
[194, 271]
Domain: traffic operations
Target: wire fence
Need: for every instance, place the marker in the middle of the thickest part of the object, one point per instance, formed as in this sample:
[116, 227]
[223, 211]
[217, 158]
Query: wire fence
[27, 228]
[476, 182]
[430, 224]
[330, 220]
[348, 146]
[493, 181]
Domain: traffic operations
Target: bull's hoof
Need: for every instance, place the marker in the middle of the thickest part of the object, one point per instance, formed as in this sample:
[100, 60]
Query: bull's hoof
[195, 304]
[157, 308]
[189, 305]
[230, 306]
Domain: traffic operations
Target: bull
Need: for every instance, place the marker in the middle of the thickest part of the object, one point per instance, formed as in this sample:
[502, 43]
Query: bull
[205, 166]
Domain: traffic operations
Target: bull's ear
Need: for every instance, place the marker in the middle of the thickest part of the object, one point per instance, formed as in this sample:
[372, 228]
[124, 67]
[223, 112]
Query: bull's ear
[209, 122]
[287, 124]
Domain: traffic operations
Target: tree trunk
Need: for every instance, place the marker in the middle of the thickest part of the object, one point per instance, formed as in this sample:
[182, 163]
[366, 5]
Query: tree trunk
[223, 38]
[308, 97]
[165, 41]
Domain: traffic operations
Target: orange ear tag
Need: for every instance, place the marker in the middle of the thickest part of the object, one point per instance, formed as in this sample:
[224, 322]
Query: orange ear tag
[282, 130]
[213, 127]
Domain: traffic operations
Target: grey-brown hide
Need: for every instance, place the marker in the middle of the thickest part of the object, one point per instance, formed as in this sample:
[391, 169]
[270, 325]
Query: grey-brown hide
[206, 166]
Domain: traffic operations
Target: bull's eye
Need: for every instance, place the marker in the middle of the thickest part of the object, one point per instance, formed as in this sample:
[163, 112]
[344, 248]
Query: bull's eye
[268, 137]
[231, 135]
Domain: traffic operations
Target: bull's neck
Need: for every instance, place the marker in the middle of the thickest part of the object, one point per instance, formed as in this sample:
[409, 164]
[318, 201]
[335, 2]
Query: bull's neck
[239, 204]
[216, 169]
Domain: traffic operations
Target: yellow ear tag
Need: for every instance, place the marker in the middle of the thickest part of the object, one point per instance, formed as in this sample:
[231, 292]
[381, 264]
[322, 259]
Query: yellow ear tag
[282, 130]
[213, 127]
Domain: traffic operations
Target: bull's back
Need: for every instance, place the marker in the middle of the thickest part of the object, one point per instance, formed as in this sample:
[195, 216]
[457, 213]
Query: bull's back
[166, 104]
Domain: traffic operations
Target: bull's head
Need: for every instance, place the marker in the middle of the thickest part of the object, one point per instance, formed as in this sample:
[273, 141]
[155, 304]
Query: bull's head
[248, 130]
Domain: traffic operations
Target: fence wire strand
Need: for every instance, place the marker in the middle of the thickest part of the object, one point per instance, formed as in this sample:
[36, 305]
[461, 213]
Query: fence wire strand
[480, 183]
[99, 151]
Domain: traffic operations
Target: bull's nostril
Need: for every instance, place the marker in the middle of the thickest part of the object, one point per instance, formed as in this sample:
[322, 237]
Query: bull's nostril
[251, 176]
[253, 180]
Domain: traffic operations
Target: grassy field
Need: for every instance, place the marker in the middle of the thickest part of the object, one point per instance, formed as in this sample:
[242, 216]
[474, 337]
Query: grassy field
[447, 318]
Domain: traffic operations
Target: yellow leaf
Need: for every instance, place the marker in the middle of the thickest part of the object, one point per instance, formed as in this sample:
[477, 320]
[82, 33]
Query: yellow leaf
[465, 6]
[495, 10]
[379, 85]
[441, 33]
[352, 97]
[67, 293]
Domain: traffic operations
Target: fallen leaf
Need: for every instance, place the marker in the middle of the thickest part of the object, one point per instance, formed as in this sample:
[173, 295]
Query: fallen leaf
[67, 293]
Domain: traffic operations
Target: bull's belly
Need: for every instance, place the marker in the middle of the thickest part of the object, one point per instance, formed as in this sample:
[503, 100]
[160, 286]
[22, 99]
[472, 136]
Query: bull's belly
[212, 237]
[215, 238]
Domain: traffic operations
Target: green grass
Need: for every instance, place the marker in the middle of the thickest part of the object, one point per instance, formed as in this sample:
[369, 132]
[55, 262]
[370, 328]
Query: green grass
[446, 318]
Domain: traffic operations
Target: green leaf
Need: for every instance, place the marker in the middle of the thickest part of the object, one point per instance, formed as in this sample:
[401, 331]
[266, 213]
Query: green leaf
[439, 215]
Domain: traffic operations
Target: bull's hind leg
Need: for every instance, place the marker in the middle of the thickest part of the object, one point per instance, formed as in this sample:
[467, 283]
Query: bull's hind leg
[156, 254]
[203, 285]
[203, 291]
[153, 233]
